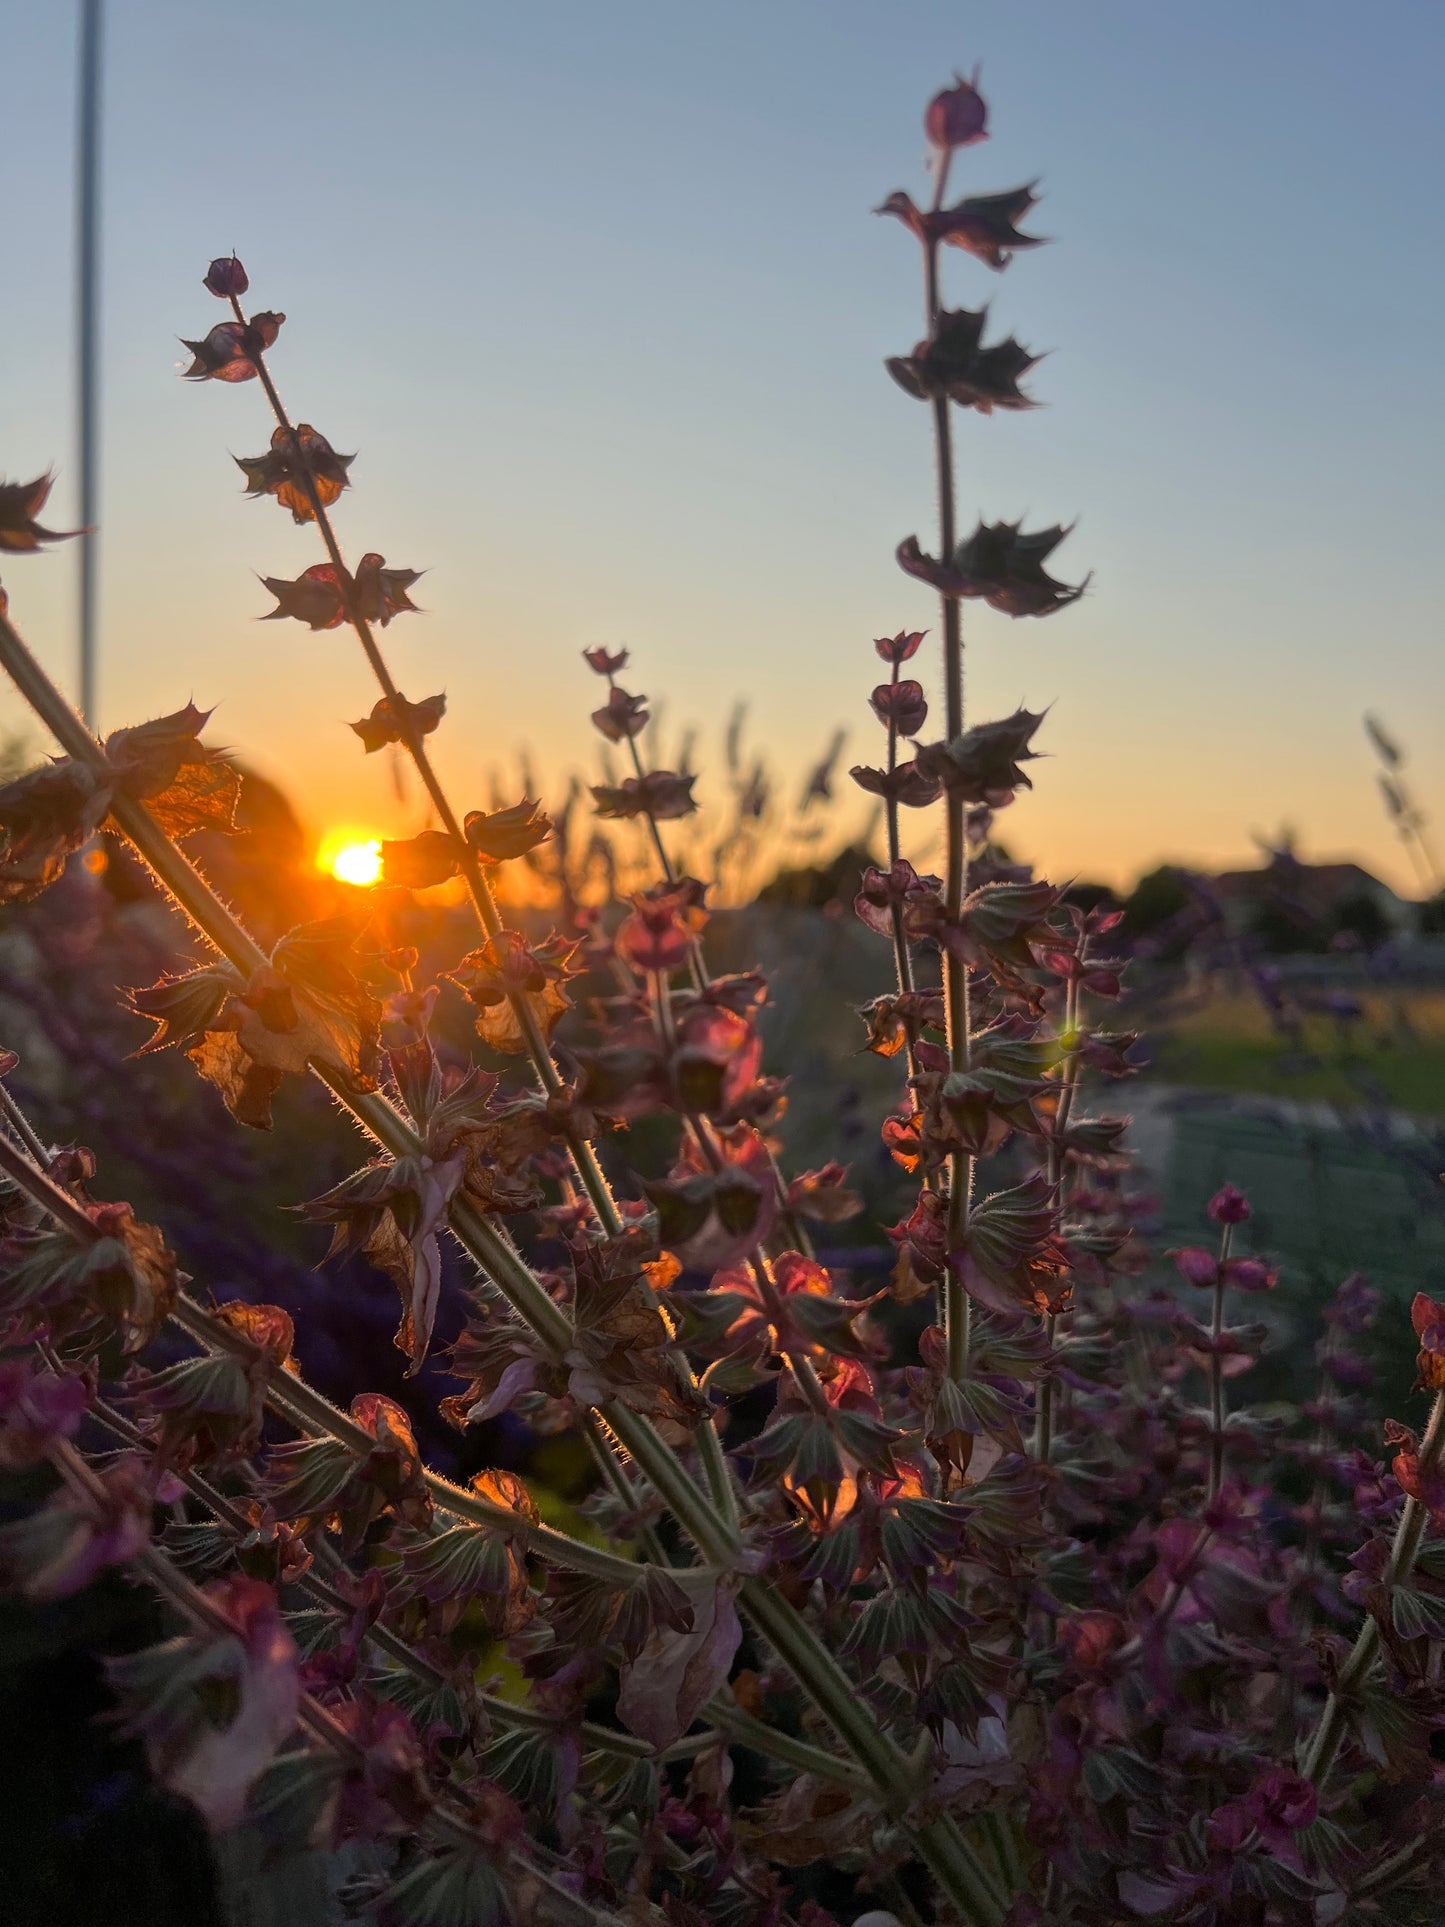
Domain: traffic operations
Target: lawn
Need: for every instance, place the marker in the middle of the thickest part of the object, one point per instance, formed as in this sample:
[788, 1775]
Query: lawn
[1395, 1048]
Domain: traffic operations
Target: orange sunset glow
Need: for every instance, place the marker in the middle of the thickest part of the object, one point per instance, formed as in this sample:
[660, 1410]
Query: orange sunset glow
[351, 858]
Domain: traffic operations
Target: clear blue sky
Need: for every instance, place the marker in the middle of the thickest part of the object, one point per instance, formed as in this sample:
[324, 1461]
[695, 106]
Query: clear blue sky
[597, 294]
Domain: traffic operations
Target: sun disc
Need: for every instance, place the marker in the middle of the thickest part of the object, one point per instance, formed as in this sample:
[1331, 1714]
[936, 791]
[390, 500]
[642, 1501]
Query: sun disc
[358, 863]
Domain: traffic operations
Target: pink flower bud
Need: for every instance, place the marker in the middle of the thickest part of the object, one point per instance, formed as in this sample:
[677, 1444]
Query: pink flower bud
[958, 117]
[226, 277]
[902, 704]
[900, 647]
[1229, 1205]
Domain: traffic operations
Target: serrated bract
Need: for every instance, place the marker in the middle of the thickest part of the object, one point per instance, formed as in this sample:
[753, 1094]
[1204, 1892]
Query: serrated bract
[392, 718]
[500, 835]
[232, 348]
[661, 794]
[507, 969]
[286, 467]
[998, 564]
[244, 1036]
[20, 503]
[953, 364]
[985, 764]
[317, 598]
[622, 716]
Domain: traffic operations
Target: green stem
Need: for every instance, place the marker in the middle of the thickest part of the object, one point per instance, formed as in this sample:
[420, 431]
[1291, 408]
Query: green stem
[1216, 1371]
[1319, 1752]
[1043, 1441]
[957, 1015]
[958, 1870]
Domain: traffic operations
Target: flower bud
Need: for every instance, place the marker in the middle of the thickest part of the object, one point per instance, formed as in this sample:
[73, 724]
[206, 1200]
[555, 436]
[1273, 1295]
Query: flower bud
[226, 277]
[902, 704]
[900, 647]
[1229, 1205]
[958, 117]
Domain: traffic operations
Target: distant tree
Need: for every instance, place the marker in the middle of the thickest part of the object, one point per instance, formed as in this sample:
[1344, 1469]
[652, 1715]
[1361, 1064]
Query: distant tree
[1092, 896]
[818, 885]
[1361, 916]
[1287, 929]
[1156, 899]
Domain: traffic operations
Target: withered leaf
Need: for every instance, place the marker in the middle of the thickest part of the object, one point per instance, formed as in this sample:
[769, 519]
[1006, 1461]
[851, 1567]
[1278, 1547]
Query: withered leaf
[676, 1673]
[393, 1212]
[420, 862]
[45, 816]
[165, 765]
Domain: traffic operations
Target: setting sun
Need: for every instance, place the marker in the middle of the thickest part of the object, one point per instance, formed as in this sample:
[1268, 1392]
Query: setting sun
[358, 863]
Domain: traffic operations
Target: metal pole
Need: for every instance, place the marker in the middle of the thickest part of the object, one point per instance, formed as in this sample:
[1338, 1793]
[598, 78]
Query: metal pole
[87, 315]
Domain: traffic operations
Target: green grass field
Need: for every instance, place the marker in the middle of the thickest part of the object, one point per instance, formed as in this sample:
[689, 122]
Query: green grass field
[1398, 1045]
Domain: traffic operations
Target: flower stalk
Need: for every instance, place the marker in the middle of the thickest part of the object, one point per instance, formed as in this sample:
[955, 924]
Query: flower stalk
[582, 1152]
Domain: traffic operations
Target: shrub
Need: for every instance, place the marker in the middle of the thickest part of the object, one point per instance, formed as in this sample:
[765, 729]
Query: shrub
[971, 1599]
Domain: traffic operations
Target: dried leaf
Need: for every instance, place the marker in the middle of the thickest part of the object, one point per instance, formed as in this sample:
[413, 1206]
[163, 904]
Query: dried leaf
[675, 1674]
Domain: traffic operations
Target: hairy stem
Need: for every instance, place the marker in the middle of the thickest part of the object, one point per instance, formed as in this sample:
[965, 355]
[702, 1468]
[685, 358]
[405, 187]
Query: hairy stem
[957, 1015]
[1043, 1441]
[1216, 1370]
[1318, 1754]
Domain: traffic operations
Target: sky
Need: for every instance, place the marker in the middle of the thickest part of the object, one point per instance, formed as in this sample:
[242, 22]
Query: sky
[597, 295]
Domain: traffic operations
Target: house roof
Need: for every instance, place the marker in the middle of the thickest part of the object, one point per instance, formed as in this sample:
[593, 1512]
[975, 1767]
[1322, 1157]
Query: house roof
[1317, 883]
